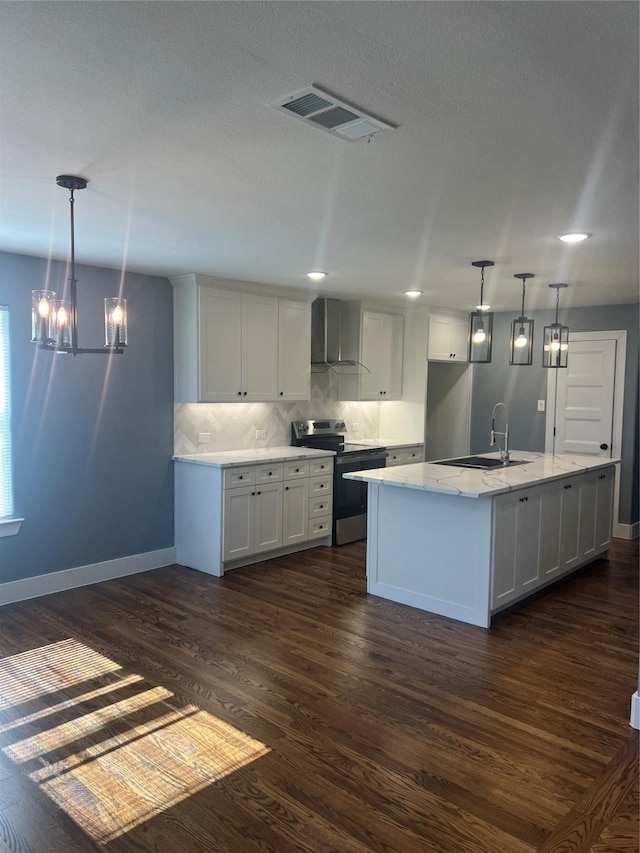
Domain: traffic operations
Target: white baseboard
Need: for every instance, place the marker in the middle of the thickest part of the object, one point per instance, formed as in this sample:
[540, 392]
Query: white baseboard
[635, 711]
[626, 531]
[83, 575]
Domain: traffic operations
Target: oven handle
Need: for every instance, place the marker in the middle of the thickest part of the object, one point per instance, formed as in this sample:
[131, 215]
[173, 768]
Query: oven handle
[349, 458]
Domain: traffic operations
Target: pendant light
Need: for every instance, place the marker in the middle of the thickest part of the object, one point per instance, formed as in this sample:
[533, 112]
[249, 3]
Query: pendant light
[480, 323]
[521, 338]
[555, 347]
[54, 322]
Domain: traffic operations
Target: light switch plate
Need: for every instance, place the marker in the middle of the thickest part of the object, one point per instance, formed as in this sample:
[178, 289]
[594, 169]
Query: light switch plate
[541, 405]
[204, 437]
[261, 433]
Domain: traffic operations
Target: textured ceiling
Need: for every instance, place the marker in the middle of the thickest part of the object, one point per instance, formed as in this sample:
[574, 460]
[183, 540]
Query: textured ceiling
[517, 121]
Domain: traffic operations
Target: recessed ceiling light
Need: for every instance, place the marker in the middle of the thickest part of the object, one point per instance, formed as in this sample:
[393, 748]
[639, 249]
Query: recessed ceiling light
[576, 237]
[316, 275]
[413, 294]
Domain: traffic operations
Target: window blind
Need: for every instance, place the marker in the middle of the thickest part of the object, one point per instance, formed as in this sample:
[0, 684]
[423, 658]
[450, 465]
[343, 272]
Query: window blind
[6, 476]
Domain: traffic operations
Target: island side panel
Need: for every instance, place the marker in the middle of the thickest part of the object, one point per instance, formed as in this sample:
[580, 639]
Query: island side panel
[430, 551]
[198, 517]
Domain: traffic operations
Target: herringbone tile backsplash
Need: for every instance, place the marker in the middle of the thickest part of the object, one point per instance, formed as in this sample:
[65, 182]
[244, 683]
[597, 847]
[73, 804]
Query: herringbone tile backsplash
[232, 426]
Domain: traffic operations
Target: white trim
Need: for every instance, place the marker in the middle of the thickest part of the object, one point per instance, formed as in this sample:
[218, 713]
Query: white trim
[83, 575]
[626, 531]
[10, 526]
[635, 711]
[620, 337]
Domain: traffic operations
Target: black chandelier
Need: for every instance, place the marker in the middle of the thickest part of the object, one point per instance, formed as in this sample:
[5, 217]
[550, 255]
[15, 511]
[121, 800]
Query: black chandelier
[54, 322]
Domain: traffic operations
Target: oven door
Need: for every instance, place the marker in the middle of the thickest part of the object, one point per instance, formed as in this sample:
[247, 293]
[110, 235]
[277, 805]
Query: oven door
[350, 497]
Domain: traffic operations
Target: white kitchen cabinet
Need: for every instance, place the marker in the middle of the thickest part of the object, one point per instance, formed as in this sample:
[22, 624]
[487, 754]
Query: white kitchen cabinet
[295, 511]
[252, 520]
[448, 337]
[516, 555]
[375, 339]
[405, 455]
[238, 334]
[233, 345]
[569, 523]
[235, 516]
[605, 481]
[294, 350]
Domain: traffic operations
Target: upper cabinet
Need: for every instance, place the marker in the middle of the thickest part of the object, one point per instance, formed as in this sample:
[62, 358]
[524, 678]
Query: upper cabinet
[448, 337]
[374, 338]
[294, 347]
[239, 346]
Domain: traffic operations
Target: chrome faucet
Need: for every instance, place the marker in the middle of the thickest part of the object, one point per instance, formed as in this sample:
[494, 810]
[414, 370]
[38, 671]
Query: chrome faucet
[504, 454]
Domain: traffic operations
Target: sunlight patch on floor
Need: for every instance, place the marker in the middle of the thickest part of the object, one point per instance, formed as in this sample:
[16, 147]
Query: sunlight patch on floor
[117, 765]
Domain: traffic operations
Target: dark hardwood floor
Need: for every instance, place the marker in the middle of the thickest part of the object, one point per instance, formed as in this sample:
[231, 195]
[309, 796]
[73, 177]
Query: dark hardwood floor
[282, 709]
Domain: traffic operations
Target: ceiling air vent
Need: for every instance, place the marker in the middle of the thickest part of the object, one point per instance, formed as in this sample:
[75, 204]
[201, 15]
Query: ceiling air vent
[330, 114]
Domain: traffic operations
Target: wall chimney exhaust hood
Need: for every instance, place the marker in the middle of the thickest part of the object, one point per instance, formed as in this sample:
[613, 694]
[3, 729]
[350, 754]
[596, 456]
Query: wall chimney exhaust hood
[326, 339]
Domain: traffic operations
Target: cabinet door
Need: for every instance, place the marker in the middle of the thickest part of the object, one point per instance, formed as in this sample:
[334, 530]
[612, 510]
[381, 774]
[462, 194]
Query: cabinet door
[569, 524]
[550, 531]
[516, 570]
[267, 517]
[238, 522]
[459, 340]
[604, 507]
[295, 511]
[587, 526]
[294, 350]
[381, 352]
[375, 354]
[220, 329]
[259, 347]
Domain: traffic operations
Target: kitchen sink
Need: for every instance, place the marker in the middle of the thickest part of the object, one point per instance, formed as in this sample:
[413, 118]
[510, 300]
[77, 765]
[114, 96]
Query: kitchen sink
[481, 462]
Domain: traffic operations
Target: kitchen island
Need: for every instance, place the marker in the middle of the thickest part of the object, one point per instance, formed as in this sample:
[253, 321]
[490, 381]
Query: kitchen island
[467, 543]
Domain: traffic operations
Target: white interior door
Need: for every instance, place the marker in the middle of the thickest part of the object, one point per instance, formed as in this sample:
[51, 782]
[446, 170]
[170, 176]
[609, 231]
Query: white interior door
[584, 399]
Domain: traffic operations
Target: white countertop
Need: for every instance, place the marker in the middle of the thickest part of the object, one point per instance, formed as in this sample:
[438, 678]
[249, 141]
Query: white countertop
[478, 483]
[383, 442]
[231, 458]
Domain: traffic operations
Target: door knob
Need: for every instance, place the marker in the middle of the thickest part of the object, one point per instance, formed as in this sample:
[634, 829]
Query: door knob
[604, 447]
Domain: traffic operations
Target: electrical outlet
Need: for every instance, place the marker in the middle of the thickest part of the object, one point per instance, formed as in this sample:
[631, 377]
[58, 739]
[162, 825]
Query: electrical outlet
[541, 405]
[261, 433]
[204, 437]
[355, 427]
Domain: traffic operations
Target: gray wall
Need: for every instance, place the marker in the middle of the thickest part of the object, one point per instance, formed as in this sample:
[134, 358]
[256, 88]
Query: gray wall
[521, 387]
[93, 435]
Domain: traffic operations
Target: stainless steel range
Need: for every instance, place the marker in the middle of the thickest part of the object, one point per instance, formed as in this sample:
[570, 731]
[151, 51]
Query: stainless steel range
[349, 497]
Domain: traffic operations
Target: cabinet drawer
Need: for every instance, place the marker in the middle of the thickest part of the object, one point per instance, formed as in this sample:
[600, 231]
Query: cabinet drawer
[269, 473]
[319, 527]
[322, 485]
[236, 477]
[396, 457]
[320, 506]
[413, 455]
[320, 466]
[296, 470]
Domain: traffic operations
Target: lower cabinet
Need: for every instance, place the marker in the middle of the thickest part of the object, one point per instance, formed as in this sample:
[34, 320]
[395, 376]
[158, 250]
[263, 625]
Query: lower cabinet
[546, 531]
[228, 517]
[517, 527]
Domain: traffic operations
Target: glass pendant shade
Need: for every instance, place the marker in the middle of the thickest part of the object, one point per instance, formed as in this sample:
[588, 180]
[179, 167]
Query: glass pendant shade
[521, 337]
[555, 345]
[521, 341]
[61, 323]
[480, 335]
[115, 322]
[480, 324]
[41, 310]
